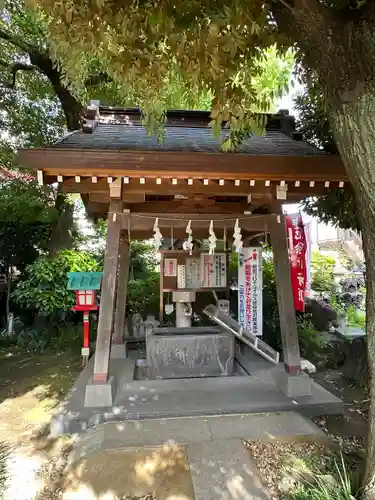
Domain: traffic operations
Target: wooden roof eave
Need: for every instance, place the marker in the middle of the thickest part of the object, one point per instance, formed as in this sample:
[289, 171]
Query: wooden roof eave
[182, 164]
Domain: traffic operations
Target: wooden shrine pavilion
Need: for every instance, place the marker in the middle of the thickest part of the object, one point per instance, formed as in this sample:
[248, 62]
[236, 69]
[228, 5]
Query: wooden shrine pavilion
[125, 175]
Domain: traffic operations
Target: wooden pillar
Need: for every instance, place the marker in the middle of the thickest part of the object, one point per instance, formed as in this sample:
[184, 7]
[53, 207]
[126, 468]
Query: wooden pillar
[107, 299]
[122, 287]
[288, 324]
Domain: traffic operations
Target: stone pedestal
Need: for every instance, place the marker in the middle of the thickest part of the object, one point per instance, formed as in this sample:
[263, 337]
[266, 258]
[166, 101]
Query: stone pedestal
[99, 395]
[118, 351]
[190, 354]
[293, 386]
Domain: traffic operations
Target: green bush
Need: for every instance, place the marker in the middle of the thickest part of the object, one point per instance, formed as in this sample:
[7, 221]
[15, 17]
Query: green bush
[342, 486]
[356, 318]
[322, 273]
[309, 338]
[44, 286]
[144, 295]
[57, 338]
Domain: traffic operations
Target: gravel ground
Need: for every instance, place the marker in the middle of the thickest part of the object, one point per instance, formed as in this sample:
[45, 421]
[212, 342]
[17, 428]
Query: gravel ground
[276, 459]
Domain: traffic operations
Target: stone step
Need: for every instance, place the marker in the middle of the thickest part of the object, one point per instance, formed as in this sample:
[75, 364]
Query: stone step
[222, 470]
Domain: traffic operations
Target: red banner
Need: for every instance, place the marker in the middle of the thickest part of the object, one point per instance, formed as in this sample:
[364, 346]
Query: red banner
[297, 255]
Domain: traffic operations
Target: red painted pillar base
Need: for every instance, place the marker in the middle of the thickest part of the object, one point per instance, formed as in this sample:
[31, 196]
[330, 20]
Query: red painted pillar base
[292, 370]
[86, 335]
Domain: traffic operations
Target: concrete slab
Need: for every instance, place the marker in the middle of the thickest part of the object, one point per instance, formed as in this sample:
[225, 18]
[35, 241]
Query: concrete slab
[155, 432]
[146, 433]
[163, 472]
[259, 426]
[222, 470]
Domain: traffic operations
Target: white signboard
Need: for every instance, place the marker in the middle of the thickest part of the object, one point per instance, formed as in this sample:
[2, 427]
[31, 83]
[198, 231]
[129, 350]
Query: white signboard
[170, 267]
[193, 273]
[250, 289]
[213, 270]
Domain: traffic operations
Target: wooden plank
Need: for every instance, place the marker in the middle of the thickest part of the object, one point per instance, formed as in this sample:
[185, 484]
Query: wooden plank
[101, 189]
[103, 197]
[287, 315]
[122, 287]
[107, 299]
[184, 164]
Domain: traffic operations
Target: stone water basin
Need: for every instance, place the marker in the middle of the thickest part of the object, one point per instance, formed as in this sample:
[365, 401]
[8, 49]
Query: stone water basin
[190, 352]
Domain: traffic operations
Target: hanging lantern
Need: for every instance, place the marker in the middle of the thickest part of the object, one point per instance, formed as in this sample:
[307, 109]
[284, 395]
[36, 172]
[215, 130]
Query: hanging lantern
[237, 237]
[157, 235]
[188, 245]
[211, 239]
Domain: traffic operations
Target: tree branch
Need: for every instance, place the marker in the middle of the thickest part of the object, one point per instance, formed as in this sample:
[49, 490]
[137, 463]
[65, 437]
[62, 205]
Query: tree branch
[15, 40]
[14, 68]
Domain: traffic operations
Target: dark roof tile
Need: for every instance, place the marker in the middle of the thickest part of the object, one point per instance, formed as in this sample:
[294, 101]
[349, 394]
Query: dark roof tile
[134, 138]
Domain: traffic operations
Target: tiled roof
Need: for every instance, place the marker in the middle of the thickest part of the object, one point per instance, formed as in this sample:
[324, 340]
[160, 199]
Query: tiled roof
[195, 139]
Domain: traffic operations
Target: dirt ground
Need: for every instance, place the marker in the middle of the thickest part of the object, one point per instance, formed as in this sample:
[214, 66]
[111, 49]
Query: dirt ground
[31, 386]
[349, 431]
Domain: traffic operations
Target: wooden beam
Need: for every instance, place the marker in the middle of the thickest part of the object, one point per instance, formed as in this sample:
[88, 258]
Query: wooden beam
[107, 299]
[183, 188]
[103, 197]
[122, 287]
[191, 207]
[183, 164]
[288, 324]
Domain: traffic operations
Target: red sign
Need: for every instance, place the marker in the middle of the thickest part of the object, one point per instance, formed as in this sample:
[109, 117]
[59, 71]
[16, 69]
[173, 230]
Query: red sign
[297, 255]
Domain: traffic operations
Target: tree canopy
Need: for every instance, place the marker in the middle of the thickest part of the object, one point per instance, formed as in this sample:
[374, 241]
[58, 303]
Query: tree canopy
[140, 52]
[215, 46]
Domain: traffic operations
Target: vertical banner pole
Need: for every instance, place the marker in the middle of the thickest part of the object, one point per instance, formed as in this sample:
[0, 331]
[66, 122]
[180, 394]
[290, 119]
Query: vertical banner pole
[86, 337]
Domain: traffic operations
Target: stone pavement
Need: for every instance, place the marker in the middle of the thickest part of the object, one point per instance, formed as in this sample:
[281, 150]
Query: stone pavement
[192, 458]
[158, 399]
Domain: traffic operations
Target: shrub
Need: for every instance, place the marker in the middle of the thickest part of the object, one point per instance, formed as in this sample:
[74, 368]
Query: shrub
[310, 339]
[322, 273]
[57, 338]
[356, 318]
[144, 295]
[343, 485]
[43, 288]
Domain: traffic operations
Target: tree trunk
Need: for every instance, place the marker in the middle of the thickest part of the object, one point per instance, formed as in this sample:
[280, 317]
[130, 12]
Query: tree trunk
[353, 124]
[61, 235]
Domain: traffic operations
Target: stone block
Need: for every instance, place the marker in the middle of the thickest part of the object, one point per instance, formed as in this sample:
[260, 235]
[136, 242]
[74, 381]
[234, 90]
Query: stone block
[100, 395]
[307, 366]
[118, 351]
[190, 355]
[293, 386]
